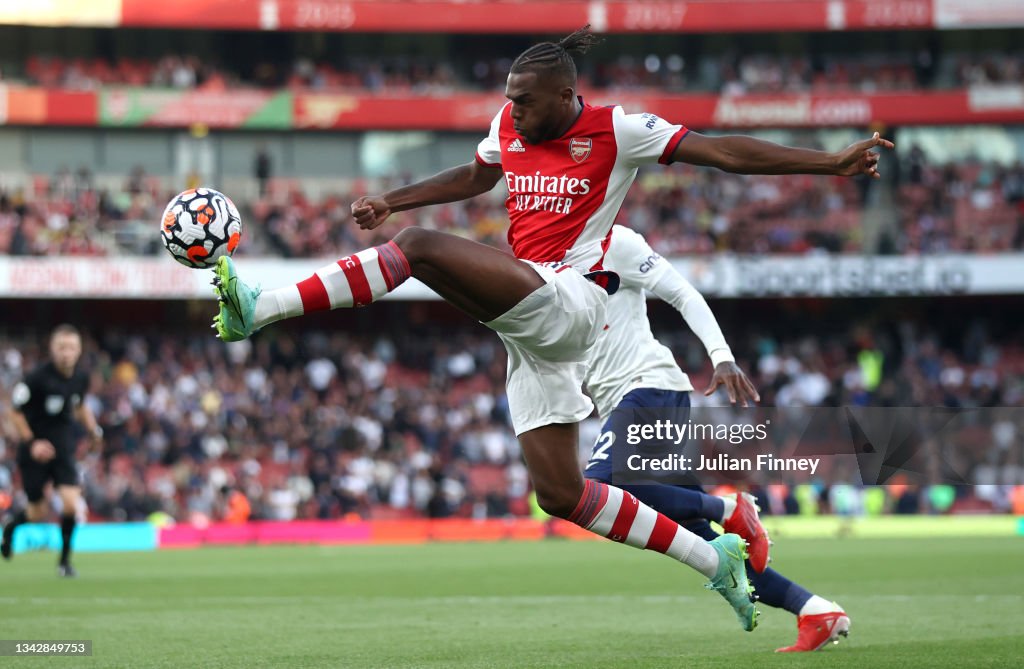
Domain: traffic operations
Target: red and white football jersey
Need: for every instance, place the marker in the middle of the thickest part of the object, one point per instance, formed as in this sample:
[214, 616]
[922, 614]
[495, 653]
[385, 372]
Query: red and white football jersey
[564, 194]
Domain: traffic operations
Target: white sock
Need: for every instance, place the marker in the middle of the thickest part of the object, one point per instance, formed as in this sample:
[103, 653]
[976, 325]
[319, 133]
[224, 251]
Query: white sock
[278, 304]
[729, 502]
[698, 554]
[817, 605]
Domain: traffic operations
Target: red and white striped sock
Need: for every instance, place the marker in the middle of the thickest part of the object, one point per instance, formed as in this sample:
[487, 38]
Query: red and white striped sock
[353, 281]
[619, 516]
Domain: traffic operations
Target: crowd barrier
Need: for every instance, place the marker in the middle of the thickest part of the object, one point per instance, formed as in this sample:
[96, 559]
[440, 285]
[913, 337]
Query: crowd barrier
[88, 537]
[146, 536]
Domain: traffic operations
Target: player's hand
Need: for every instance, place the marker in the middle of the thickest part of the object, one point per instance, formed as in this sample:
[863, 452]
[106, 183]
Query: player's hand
[42, 450]
[370, 212]
[860, 159]
[736, 383]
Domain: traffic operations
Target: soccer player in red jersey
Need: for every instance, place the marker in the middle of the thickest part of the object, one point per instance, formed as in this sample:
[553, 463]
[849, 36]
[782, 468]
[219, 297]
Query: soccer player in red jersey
[567, 166]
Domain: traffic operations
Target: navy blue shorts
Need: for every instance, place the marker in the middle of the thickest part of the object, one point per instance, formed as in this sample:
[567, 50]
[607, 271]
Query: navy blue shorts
[673, 405]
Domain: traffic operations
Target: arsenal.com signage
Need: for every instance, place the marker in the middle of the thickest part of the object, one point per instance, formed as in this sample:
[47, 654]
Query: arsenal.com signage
[720, 276]
[804, 110]
[472, 112]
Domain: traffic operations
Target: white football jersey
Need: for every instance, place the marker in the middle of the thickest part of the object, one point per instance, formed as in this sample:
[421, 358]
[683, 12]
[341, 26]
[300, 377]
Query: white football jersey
[626, 355]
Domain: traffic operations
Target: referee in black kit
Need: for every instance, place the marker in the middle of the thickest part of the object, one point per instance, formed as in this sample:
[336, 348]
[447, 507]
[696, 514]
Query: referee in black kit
[45, 404]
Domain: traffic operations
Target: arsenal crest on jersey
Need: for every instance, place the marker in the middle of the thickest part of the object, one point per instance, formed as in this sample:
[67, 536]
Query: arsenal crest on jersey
[579, 148]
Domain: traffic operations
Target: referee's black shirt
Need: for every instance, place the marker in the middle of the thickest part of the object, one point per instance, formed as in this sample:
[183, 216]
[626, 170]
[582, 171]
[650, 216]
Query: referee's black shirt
[48, 399]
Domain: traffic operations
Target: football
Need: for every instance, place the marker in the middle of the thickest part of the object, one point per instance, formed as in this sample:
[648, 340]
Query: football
[200, 225]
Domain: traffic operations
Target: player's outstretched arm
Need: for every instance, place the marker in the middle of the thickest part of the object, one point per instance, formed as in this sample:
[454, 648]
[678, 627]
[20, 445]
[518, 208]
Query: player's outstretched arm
[672, 287]
[746, 155]
[660, 278]
[457, 183]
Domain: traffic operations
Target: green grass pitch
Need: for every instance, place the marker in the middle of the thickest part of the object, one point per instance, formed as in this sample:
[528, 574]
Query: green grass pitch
[950, 602]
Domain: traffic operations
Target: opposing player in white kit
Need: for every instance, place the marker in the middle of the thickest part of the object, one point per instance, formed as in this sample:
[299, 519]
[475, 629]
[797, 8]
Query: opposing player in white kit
[632, 374]
[567, 166]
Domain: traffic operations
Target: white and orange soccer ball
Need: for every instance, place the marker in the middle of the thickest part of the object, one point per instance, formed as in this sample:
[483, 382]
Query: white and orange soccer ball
[200, 225]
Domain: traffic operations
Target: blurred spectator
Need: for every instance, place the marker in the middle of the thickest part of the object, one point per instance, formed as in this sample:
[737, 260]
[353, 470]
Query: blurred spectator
[683, 210]
[262, 169]
[236, 506]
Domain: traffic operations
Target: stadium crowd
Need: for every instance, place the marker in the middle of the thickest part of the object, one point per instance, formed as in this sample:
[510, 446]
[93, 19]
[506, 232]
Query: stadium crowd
[324, 425]
[729, 73]
[965, 206]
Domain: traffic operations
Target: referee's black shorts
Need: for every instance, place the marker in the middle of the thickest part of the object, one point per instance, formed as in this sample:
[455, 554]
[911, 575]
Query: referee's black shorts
[34, 474]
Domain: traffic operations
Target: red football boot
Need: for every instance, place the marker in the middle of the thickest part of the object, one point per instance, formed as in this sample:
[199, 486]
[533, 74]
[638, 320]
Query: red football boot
[813, 632]
[744, 522]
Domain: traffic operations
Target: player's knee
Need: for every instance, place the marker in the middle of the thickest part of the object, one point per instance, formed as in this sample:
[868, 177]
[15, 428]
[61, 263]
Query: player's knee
[416, 243]
[558, 501]
[36, 512]
[70, 497]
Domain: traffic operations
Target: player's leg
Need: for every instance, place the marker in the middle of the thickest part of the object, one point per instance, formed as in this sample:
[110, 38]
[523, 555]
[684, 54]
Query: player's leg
[818, 620]
[480, 280]
[32, 513]
[551, 458]
[547, 337]
[34, 476]
[738, 514]
[70, 496]
[676, 502]
[645, 406]
[65, 480]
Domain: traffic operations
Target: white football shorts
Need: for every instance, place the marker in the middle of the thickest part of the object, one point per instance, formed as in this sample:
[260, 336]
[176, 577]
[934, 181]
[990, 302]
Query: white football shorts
[547, 336]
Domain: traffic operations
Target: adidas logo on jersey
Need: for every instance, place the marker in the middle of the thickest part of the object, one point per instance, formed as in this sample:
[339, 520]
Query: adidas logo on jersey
[516, 146]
